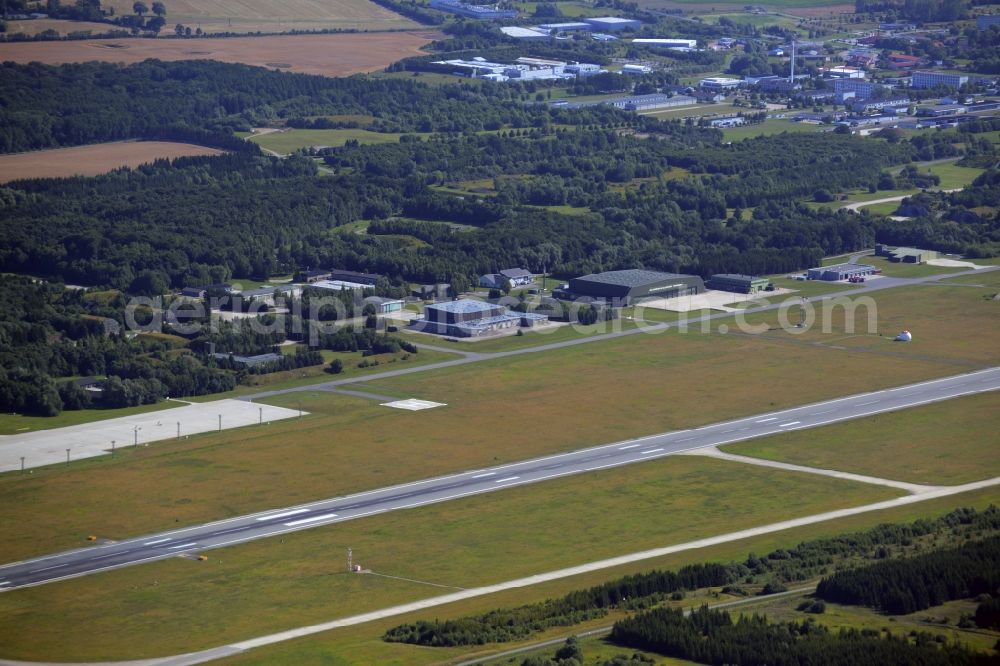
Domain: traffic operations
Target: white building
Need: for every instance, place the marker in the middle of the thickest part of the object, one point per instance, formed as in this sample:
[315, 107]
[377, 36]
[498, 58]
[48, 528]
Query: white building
[613, 23]
[720, 83]
[526, 34]
[667, 43]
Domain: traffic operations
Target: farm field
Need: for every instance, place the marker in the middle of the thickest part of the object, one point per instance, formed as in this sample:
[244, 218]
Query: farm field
[268, 16]
[93, 159]
[283, 584]
[362, 644]
[769, 127]
[946, 443]
[329, 55]
[36, 26]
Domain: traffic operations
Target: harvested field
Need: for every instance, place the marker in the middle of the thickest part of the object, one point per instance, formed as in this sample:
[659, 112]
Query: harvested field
[93, 160]
[270, 16]
[36, 26]
[329, 55]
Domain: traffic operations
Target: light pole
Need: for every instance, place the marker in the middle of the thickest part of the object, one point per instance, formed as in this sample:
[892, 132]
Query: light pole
[135, 433]
[112, 448]
[22, 464]
[67, 457]
[220, 422]
[260, 420]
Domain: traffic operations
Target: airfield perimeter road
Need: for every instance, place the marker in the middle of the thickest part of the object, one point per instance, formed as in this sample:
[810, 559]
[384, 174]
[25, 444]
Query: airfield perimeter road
[196, 539]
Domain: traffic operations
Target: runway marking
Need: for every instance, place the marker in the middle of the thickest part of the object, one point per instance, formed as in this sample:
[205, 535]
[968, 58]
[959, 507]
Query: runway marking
[509, 478]
[103, 557]
[790, 423]
[825, 411]
[153, 543]
[183, 545]
[686, 439]
[4, 582]
[47, 568]
[773, 418]
[483, 476]
[311, 519]
[643, 453]
[284, 514]
[862, 404]
[630, 446]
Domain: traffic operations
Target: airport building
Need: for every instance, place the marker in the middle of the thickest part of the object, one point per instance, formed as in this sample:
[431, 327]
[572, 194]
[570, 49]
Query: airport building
[839, 272]
[738, 284]
[466, 318]
[621, 288]
[906, 255]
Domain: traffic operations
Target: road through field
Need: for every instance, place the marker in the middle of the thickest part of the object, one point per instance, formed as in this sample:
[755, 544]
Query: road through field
[193, 540]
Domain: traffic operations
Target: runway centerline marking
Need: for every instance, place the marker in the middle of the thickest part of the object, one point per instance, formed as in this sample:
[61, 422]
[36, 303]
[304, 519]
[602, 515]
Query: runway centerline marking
[483, 476]
[630, 446]
[790, 423]
[47, 568]
[183, 545]
[773, 418]
[284, 514]
[644, 453]
[509, 478]
[862, 404]
[312, 519]
[153, 543]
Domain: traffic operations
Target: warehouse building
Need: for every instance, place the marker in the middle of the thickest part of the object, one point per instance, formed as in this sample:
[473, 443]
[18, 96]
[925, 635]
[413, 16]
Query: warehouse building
[651, 101]
[509, 277]
[906, 255]
[353, 276]
[613, 23]
[685, 44]
[385, 305]
[621, 288]
[719, 83]
[738, 284]
[481, 12]
[839, 272]
[466, 318]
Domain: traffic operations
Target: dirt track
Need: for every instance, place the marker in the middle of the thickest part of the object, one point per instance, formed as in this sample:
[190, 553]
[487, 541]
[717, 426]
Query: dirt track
[330, 55]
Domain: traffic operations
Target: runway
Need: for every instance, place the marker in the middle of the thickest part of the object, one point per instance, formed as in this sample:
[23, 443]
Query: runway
[193, 540]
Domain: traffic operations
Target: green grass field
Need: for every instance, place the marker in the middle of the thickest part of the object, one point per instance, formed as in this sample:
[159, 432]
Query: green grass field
[287, 141]
[361, 644]
[250, 589]
[905, 270]
[946, 443]
[769, 127]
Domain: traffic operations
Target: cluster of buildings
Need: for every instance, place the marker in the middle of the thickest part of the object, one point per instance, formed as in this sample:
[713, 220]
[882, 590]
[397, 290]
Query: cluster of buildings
[523, 69]
[468, 318]
[599, 26]
[482, 12]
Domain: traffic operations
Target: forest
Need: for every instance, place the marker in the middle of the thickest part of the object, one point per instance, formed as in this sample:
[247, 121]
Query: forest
[908, 585]
[713, 637]
[641, 591]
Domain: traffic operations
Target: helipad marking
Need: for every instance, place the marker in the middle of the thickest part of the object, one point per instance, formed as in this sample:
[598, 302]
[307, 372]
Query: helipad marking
[413, 405]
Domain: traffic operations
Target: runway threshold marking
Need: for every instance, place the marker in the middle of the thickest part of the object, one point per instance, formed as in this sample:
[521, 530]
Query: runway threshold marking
[312, 519]
[284, 514]
[153, 543]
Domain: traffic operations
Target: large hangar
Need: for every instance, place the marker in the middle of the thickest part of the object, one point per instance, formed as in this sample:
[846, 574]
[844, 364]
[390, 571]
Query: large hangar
[626, 287]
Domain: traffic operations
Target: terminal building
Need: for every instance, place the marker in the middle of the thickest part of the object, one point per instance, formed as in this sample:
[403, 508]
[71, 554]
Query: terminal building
[466, 318]
[621, 288]
[839, 272]
[738, 284]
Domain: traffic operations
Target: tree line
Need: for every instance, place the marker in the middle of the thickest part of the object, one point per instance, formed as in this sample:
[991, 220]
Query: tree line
[713, 637]
[908, 585]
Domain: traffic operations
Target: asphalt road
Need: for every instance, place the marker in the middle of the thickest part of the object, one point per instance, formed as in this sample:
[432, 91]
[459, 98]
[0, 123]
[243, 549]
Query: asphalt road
[193, 540]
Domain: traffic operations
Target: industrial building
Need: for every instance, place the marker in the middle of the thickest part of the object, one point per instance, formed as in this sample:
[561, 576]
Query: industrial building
[935, 79]
[573, 26]
[685, 44]
[906, 255]
[466, 318]
[845, 73]
[524, 69]
[510, 277]
[652, 101]
[720, 83]
[338, 285]
[621, 288]
[369, 279]
[526, 34]
[867, 105]
[738, 284]
[839, 272]
[385, 305]
[483, 12]
[613, 23]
